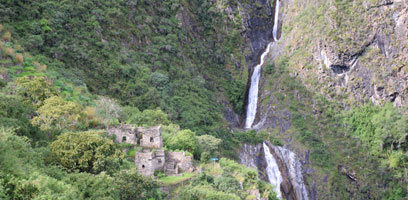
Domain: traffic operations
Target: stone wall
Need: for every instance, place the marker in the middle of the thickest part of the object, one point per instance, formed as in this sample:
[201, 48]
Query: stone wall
[147, 162]
[151, 137]
[124, 134]
[182, 162]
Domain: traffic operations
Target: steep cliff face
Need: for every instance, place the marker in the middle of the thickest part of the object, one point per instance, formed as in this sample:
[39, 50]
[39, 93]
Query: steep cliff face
[350, 51]
[333, 55]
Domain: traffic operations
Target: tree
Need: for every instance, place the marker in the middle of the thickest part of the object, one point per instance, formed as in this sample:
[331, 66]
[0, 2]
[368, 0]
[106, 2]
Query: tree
[132, 115]
[108, 110]
[132, 185]
[15, 114]
[208, 143]
[86, 152]
[95, 187]
[183, 140]
[34, 90]
[57, 113]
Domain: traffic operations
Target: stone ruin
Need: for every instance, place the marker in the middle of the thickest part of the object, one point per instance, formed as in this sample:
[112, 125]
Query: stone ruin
[152, 157]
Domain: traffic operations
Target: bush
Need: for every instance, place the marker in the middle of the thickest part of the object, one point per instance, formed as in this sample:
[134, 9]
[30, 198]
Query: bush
[204, 192]
[208, 143]
[205, 157]
[183, 140]
[132, 185]
[86, 152]
[34, 90]
[58, 114]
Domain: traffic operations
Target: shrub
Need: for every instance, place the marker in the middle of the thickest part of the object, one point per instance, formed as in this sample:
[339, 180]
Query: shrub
[6, 36]
[183, 140]
[9, 52]
[86, 152]
[208, 143]
[132, 185]
[19, 58]
[57, 113]
[34, 90]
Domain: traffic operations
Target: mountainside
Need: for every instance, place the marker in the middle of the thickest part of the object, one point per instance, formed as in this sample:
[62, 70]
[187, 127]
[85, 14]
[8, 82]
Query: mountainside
[328, 102]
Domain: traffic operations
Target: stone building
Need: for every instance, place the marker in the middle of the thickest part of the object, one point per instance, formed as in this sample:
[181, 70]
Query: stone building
[152, 157]
[147, 161]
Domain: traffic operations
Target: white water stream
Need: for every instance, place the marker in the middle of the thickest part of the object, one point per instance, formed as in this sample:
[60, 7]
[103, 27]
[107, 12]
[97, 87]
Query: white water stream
[275, 24]
[253, 89]
[272, 170]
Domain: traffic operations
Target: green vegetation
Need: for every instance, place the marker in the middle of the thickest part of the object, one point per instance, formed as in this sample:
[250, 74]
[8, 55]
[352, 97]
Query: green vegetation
[70, 69]
[86, 152]
[224, 181]
[369, 140]
[384, 131]
[147, 60]
[170, 180]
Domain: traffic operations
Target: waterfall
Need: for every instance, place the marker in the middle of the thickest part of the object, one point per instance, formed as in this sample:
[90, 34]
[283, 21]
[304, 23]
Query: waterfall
[276, 22]
[272, 170]
[295, 171]
[253, 90]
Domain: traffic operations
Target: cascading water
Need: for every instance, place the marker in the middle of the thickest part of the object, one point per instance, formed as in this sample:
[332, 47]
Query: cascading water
[272, 170]
[295, 171]
[276, 22]
[253, 90]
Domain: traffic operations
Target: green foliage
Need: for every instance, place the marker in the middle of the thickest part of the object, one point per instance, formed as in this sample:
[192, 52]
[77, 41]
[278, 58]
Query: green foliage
[94, 187]
[208, 143]
[58, 114]
[251, 136]
[205, 157]
[21, 178]
[172, 180]
[182, 140]
[132, 185]
[132, 115]
[227, 184]
[146, 61]
[15, 114]
[384, 130]
[201, 192]
[86, 152]
[34, 90]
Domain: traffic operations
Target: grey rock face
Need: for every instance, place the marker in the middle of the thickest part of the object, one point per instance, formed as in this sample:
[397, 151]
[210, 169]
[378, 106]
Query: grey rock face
[293, 186]
[257, 24]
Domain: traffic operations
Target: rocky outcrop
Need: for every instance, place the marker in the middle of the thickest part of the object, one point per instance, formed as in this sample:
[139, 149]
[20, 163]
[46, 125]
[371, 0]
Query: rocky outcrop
[360, 58]
[257, 25]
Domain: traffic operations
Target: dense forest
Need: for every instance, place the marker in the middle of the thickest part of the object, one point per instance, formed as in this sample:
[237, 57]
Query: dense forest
[70, 71]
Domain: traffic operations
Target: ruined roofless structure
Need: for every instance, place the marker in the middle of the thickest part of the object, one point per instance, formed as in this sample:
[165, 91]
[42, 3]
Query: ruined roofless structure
[152, 156]
[145, 137]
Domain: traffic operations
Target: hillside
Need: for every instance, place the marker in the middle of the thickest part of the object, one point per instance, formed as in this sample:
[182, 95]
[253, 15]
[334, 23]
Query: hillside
[328, 98]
